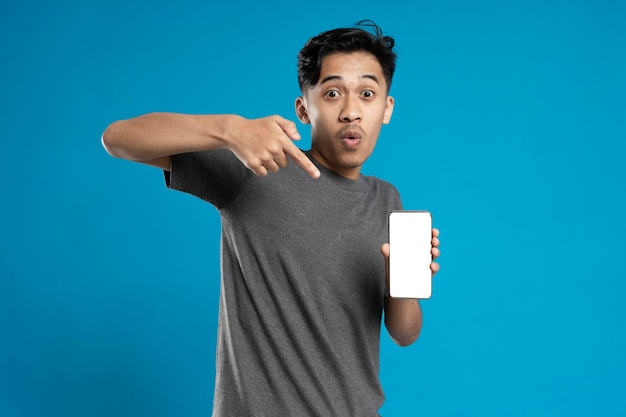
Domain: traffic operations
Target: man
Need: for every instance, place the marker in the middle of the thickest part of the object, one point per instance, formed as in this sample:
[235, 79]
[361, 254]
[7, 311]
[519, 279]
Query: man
[303, 285]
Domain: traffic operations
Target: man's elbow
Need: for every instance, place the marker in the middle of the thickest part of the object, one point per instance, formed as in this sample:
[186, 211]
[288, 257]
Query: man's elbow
[111, 140]
[406, 339]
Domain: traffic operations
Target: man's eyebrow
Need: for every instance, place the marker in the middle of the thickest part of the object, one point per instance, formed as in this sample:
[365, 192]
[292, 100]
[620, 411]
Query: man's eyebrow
[372, 77]
[330, 78]
[338, 77]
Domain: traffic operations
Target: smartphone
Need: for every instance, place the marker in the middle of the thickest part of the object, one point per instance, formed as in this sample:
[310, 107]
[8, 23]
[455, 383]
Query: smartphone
[410, 244]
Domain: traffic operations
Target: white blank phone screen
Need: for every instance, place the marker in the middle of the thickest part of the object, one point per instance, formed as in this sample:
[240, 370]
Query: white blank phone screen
[410, 244]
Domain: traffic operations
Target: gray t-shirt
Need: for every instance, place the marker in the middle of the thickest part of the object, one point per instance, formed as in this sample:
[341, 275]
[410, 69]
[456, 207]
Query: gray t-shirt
[302, 286]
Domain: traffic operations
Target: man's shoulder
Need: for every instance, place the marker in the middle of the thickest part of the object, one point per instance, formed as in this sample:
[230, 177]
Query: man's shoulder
[379, 183]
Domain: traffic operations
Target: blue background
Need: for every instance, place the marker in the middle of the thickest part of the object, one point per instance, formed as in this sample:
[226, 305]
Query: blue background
[510, 126]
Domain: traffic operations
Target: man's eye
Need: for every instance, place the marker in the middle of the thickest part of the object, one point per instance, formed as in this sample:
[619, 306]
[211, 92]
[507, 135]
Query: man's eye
[332, 94]
[368, 94]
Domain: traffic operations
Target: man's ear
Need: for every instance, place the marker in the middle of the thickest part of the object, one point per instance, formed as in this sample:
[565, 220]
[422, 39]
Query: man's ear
[388, 110]
[301, 112]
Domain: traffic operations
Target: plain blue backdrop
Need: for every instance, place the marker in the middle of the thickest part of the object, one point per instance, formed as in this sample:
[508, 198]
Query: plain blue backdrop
[509, 125]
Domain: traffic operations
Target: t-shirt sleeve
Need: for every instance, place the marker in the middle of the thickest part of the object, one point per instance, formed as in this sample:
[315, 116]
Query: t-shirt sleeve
[394, 201]
[215, 176]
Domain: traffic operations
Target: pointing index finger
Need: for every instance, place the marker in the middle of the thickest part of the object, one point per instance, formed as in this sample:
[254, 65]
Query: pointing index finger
[303, 161]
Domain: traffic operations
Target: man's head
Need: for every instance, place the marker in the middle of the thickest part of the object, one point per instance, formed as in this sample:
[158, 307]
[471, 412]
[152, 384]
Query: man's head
[355, 39]
[345, 76]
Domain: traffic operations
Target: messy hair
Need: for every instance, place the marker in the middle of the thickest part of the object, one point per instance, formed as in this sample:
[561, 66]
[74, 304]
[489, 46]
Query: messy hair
[366, 36]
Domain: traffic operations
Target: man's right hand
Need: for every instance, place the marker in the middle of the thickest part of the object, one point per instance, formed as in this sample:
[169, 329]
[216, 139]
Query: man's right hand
[264, 145]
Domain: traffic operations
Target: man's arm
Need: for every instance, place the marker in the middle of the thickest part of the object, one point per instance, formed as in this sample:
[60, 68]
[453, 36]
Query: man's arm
[403, 317]
[263, 145]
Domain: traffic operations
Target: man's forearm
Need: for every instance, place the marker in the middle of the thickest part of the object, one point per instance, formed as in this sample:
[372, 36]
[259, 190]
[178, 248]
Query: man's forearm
[156, 135]
[403, 319]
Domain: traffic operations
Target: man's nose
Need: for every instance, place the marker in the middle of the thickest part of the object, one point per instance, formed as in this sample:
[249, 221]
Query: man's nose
[351, 110]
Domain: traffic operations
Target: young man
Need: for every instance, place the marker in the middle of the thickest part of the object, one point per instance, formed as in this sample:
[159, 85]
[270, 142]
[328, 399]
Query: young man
[303, 285]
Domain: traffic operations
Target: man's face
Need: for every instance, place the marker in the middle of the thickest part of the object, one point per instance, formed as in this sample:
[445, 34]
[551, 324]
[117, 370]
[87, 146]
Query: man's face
[346, 109]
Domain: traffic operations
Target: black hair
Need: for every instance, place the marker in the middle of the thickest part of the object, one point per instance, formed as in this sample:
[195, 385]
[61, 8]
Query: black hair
[354, 39]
